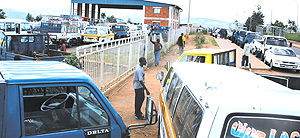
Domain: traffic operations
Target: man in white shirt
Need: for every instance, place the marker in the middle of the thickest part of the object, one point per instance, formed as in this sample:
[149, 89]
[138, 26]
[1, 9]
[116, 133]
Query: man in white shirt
[139, 87]
[246, 53]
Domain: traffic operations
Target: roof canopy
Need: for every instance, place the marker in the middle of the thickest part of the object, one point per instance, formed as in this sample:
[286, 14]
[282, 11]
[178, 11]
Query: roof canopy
[124, 4]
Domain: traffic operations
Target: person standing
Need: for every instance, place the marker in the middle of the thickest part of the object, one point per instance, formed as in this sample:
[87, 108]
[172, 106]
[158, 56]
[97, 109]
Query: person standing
[181, 43]
[246, 53]
[139, 87]
[157, 48]
[63, 47]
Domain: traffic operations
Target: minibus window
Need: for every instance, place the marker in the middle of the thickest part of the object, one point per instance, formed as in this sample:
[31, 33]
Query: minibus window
[167, 79]
[173, 92]
[187, 116]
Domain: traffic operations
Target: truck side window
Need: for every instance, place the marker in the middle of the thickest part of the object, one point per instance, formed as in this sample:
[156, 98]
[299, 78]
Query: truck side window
[173, 91]
[56, 109]
[188, 116]
[92, 113]
[168, 76]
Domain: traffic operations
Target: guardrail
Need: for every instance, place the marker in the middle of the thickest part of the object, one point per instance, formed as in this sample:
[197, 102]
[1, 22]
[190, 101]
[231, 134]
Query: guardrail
[111, 62]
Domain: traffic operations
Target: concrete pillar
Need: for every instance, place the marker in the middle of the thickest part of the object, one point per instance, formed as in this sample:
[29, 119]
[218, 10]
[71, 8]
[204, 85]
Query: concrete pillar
[99, 13]
[86, 11]
[93, 11]
[79, 9]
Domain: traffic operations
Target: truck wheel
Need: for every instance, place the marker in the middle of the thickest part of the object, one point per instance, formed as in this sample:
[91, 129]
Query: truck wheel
[70, 44]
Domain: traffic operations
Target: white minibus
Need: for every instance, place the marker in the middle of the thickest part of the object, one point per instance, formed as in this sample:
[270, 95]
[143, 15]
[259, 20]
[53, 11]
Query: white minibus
[200, 100]
[15, 26]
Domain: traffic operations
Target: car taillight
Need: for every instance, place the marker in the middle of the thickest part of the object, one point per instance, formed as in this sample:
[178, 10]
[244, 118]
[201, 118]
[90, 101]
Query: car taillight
[63, 35]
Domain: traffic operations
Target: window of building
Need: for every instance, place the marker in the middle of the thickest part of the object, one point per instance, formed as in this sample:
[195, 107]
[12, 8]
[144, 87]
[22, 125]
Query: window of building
[157, 10]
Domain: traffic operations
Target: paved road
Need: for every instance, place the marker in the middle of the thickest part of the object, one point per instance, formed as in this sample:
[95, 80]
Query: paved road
[256, 63]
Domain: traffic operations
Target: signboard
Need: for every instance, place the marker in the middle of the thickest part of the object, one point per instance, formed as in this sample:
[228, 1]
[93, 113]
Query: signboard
[261, 127]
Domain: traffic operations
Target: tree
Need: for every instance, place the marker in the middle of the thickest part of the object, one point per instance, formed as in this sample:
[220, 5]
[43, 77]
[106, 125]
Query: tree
[257, 18]
[29, 18]
[38, 18]
[278, 24]
[292, 26]
[111, 19]
[2, 14]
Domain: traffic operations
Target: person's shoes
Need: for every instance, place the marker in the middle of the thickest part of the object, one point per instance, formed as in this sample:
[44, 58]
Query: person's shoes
[155, 65]
[141, 117]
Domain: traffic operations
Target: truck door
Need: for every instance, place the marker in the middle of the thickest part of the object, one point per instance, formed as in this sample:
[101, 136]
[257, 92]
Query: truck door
[67, 111]
[2, 101]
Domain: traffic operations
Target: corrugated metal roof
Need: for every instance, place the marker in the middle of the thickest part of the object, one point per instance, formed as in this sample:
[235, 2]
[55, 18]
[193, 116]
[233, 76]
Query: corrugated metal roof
[124, 2]
[25, 72]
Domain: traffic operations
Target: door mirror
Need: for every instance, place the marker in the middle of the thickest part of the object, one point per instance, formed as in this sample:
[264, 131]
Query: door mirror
[160, 75]
[291, 44]
[167, 66]
[149, 110]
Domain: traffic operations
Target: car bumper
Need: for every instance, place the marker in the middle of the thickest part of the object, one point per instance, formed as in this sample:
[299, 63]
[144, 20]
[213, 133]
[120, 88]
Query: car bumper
[287, 66]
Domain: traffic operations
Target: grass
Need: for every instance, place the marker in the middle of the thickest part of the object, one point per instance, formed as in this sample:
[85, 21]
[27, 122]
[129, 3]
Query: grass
[293, 36]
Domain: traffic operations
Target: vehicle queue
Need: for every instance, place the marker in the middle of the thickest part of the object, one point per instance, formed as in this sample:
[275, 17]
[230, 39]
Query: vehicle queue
[274, 51]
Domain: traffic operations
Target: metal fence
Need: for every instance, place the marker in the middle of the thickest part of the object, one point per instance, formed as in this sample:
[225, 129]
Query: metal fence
[112, 62]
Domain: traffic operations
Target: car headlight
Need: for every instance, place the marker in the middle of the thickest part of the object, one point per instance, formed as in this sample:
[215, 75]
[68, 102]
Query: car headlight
[277, 61]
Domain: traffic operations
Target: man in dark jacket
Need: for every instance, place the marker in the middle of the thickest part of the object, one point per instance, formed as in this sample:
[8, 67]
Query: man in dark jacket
[181, 43]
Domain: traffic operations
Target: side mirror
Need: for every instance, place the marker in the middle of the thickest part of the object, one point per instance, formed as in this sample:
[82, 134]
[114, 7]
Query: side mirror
[291, 44]
[149, 110]
[167, 66]
[160, 76]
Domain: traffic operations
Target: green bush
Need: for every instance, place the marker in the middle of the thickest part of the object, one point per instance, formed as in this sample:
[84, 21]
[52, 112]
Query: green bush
[204, 31]
[293, 37]
[199, 39]
[72, 60]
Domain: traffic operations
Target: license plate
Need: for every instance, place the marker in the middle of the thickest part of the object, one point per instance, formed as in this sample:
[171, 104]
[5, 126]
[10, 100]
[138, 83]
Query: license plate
[90, 39]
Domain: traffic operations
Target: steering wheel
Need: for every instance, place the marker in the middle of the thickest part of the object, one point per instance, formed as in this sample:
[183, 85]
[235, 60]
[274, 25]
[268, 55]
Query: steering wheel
[47, 105]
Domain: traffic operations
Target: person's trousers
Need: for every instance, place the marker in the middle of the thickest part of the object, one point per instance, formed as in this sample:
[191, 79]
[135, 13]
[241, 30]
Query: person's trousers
[180, 50]
[156, 54]
[245, 58]
[139, 99]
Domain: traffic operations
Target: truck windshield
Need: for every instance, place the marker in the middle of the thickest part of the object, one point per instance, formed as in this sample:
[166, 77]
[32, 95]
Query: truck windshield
[91, 31]
[284, 52]
[251, 35]
[276, 41]
[118, 27]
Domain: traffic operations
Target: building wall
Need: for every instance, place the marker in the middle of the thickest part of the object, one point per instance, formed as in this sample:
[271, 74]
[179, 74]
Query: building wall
[162, 17]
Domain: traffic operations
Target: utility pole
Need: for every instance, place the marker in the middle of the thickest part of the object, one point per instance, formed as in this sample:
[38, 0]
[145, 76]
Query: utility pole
[189, 18]
[297, 18]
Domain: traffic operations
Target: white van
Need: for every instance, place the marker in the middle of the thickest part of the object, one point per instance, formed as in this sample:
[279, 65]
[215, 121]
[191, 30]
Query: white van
[200, 100]
[132, 30]
[94, 34]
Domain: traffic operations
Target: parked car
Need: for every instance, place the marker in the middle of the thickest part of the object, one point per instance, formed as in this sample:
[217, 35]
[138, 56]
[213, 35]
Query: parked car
[282, 57]
[270, 41]
[249, 37]
[240, 37]
[132, 30]
[256, 44]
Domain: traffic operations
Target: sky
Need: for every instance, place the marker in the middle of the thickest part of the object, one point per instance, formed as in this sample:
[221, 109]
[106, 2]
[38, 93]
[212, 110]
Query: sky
[224, 10]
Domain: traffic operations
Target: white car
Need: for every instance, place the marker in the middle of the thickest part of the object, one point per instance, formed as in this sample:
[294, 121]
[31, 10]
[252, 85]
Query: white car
[282, 57]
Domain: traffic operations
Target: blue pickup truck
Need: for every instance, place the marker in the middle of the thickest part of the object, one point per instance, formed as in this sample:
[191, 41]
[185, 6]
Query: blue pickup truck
[29, 47]
[50, 99]
[120, 31]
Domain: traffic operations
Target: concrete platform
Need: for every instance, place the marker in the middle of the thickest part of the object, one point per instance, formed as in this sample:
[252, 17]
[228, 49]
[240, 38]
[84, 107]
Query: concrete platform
[256, 63]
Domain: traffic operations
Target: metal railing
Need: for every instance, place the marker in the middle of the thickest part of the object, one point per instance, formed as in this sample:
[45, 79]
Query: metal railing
[111, 62]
